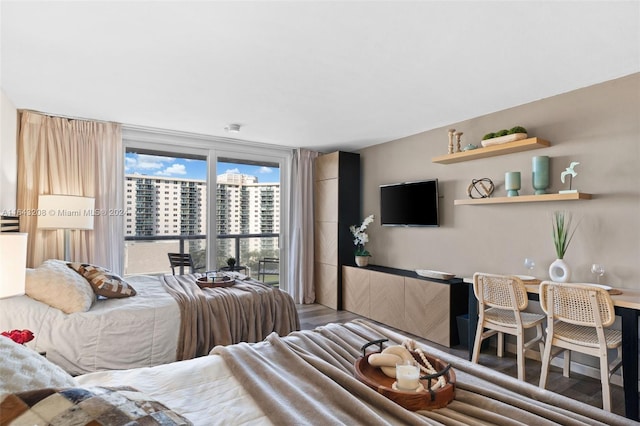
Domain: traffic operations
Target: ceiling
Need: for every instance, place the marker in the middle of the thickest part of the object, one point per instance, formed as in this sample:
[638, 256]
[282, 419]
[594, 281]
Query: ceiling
[316, 74]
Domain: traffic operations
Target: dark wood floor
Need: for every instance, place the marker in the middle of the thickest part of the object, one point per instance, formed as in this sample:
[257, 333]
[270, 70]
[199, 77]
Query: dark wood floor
[579, 387]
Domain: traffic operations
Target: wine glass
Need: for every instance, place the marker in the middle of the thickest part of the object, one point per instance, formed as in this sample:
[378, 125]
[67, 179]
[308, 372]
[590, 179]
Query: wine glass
[529, 263]
[598, 270]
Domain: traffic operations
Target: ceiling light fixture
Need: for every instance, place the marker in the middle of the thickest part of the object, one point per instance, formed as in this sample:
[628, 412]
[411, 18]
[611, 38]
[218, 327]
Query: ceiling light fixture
[233, 128]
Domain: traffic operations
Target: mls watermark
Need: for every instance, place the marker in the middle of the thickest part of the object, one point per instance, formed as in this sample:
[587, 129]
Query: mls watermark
[64, 212]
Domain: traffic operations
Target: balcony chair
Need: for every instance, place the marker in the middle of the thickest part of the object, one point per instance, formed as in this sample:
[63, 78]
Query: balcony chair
[269, 266]
[177, 260]
[501, 302]
[578, 317]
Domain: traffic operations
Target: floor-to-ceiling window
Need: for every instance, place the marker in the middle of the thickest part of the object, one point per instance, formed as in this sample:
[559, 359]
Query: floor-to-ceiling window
[165, 209]
[226, 199]
[248, 216]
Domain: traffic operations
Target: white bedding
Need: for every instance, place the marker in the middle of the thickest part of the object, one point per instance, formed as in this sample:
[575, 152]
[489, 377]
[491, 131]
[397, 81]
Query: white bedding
[146, 326]
[201, 389]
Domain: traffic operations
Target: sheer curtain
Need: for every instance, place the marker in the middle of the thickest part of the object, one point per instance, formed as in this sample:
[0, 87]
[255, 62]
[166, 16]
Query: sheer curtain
[301, 252]
[71, 157]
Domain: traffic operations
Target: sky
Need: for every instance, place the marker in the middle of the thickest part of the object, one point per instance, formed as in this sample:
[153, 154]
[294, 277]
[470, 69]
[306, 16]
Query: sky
[183, 168]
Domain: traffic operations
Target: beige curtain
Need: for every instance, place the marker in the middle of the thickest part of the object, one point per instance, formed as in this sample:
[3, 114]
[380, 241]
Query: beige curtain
[71, 157]
[301, 253]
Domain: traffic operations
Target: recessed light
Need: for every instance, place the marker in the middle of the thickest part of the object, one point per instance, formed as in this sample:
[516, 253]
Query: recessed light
[233, 128]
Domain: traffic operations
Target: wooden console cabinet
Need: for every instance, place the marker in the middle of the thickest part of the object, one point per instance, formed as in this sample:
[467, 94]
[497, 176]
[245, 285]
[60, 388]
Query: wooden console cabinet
[401, 299]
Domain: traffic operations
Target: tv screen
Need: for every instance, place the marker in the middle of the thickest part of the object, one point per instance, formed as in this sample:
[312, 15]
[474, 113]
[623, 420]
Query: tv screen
[410, 204]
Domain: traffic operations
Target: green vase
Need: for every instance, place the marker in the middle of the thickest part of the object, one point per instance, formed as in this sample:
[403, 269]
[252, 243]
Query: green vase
[540, 174]
[512, 183]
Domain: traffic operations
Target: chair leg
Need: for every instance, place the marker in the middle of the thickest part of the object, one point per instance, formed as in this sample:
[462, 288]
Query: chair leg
[604, 377]
[540, 338]
[477, 343]
[546, 360]
[566, 368]
[500, 344]
[520, 356]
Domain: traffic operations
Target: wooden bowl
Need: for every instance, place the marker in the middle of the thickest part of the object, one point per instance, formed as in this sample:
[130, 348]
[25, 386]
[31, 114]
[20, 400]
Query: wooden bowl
[413, 401]
[224, 282]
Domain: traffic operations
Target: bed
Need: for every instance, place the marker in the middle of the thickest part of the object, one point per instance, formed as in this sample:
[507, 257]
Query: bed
[82, 332]
[307, 377]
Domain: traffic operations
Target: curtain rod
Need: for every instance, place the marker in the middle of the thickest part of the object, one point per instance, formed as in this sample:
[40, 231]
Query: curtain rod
[68, 117]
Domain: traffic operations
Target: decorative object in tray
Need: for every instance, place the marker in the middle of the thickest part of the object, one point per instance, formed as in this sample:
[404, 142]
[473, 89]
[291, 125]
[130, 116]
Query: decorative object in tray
[503, 136]
[436, 388]
[215, 279]
[435, 274]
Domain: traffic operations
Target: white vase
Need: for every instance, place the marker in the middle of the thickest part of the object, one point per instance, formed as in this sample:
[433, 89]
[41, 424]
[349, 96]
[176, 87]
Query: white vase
[362, 260]
[559, 271]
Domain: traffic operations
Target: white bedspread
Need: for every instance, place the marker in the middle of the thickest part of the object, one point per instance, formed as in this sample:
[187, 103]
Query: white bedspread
[146, 326]
[201, 389]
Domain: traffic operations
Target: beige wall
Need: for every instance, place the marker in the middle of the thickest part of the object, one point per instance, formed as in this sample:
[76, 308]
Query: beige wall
[598, 126]
[8, 153]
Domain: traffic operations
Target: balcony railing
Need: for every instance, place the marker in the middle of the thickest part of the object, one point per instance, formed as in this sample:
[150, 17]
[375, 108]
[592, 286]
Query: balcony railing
[148, 254]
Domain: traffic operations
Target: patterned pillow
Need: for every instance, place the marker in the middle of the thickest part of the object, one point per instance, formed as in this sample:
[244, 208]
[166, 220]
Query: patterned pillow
[92, 405]
[103, 282]
[56, 285]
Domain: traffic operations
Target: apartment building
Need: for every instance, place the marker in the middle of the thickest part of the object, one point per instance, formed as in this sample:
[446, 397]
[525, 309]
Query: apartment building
[170, 206]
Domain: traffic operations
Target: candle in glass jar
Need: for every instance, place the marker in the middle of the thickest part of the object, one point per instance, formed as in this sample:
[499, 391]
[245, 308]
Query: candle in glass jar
[407, 376]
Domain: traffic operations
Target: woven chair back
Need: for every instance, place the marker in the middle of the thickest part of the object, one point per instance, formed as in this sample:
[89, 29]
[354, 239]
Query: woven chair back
[572, 303]
[493, 290]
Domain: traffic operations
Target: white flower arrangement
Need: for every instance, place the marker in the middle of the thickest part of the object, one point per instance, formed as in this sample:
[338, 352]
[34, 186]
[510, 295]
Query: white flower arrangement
[361, 237]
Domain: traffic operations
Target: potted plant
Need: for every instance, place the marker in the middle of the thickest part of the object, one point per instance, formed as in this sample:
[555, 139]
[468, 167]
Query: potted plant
[360, 239]
[231, 262]
[562, 235]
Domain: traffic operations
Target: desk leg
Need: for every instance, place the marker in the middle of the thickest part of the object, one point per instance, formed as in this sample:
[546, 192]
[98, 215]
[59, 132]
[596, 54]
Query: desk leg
[630, 361]
[473, 320]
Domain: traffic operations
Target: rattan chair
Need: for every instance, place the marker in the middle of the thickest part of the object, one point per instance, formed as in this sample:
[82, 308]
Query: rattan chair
[578, 317]
[501, 302]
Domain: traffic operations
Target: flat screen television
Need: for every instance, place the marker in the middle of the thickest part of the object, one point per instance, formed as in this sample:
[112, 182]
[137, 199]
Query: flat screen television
[410, 204]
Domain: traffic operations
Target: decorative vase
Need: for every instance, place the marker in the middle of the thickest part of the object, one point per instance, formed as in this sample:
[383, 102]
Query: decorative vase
[559, 271]
[512, 183]
[362, 260]
[540, 174]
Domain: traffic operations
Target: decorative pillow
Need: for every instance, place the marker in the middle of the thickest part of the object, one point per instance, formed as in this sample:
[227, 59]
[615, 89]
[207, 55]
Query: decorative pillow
[103, 282]
[92, 405]
[24, 369]
[56, 285]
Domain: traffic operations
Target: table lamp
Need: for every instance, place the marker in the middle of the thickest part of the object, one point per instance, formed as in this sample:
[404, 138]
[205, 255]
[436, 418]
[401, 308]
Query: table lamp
[13, 261]
[66, 212]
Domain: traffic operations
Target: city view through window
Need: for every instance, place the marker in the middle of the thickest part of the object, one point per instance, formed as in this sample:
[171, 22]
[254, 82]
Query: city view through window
[167, 206]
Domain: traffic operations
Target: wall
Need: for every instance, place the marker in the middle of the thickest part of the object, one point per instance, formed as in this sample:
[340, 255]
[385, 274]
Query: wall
[598, 126]
[8, 153]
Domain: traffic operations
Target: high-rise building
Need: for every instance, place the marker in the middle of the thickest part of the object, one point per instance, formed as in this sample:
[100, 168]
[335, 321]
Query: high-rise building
[170, 206]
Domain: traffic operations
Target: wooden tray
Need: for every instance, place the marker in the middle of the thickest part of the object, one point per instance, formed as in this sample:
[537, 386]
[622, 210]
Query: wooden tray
[414, 401]
[203, 283]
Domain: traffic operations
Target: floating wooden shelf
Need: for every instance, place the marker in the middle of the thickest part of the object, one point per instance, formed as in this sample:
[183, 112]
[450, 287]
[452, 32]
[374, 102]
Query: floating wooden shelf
[492, 151]
[526, 198]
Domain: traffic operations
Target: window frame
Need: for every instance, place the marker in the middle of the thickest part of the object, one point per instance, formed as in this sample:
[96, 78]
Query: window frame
[214, 148]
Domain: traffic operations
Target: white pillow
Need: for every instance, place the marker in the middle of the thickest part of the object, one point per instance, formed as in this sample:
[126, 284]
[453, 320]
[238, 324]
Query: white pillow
[23, 369]
[56, 285]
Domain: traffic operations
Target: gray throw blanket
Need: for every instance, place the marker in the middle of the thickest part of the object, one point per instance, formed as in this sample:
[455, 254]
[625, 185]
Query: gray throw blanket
[307, 378]
[248, 311]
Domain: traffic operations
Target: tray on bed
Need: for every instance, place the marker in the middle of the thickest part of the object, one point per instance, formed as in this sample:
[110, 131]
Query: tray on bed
[224, 282]
[411, 400]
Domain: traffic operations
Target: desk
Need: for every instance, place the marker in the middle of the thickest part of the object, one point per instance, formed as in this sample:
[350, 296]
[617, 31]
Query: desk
[627, 306]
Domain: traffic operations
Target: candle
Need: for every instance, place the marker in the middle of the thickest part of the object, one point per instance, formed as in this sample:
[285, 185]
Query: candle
[407, 376]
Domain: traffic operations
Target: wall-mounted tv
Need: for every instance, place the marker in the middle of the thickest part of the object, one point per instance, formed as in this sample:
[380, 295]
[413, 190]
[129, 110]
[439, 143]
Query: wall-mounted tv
[410, 204]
